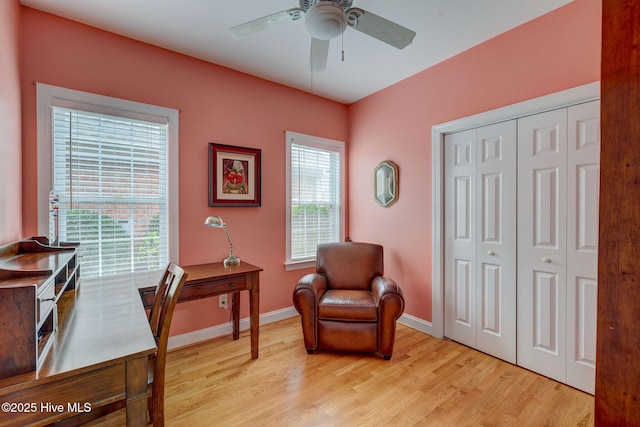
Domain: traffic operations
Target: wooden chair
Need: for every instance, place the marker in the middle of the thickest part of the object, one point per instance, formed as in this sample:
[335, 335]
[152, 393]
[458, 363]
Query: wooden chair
[173, 285]
[160, 317]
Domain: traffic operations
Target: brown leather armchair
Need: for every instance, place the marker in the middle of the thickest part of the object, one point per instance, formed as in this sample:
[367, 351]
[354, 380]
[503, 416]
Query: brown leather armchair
[348, 304]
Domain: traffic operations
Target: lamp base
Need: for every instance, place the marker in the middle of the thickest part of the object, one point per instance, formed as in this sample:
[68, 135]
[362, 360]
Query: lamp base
[231, 260]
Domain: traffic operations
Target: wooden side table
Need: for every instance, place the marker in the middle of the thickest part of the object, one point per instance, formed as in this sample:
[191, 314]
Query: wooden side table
[208, 280]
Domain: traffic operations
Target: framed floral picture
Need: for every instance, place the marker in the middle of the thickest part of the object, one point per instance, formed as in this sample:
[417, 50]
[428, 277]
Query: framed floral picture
[234, 175]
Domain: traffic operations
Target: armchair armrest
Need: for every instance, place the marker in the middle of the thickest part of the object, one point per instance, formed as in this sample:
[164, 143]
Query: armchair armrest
[306, 296]
[382, 286]
[389, 298]
[315, 283]
[390, 301]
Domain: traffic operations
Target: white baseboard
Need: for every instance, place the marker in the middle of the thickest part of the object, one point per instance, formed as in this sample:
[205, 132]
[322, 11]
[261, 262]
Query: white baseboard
[416, 323]
[205, 334]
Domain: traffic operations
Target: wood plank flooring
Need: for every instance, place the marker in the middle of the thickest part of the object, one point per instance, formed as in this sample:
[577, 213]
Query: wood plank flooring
[427, 382]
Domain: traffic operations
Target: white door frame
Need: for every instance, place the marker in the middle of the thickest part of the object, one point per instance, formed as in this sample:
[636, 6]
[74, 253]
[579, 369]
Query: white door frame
[566, 98]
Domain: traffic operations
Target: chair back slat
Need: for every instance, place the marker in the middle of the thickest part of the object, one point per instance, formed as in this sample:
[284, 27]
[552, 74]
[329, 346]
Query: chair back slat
[161, 288]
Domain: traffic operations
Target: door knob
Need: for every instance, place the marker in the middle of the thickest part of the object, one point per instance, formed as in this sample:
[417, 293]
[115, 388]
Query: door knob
[491, 253]
[546, 260]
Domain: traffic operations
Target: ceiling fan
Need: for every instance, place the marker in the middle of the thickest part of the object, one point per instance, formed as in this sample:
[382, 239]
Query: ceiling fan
[327, 19]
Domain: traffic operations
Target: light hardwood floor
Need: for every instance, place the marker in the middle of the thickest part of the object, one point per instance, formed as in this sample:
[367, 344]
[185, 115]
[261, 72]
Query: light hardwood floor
[427, 382]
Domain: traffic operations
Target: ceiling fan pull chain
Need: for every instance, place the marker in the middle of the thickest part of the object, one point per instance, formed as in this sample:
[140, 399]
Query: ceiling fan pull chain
[342, 38]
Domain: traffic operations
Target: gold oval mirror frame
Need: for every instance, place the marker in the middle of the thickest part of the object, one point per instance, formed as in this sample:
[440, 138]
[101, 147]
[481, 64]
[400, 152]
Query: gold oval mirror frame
[385, 183]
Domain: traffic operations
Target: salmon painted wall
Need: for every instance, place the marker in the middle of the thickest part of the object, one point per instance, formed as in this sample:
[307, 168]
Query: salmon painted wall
[10, 123]
[557, 51]
[216, 105]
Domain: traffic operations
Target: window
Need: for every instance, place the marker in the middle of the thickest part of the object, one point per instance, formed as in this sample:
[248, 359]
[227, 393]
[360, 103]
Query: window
[315, 196]
[112, 165]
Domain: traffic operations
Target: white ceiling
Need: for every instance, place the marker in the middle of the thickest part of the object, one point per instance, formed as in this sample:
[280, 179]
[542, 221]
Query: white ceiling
[198, 28]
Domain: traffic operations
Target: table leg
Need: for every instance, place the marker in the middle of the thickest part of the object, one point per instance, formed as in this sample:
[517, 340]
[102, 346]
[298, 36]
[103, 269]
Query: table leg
[235, 313]
[136, 392]
[254, 308]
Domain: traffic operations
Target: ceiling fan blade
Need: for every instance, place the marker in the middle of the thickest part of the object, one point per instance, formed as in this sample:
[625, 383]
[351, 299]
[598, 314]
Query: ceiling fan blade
[380, 28]
[319, 55]
[264, 23]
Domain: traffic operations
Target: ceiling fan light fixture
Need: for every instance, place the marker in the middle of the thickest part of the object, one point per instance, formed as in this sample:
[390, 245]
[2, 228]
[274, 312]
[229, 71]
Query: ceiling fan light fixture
[325, 20]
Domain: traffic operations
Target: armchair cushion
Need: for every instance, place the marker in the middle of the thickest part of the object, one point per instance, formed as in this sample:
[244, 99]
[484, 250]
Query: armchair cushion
[347, 305]
[349, 265]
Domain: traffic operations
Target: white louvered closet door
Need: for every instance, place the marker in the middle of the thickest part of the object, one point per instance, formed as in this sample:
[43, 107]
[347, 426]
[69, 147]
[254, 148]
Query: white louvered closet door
[480, 249]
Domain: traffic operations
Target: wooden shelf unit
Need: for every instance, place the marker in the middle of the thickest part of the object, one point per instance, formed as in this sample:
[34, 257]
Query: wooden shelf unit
[34, 276]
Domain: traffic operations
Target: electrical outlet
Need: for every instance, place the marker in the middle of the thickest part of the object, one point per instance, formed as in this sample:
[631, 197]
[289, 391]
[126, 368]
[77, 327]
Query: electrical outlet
[222, 301]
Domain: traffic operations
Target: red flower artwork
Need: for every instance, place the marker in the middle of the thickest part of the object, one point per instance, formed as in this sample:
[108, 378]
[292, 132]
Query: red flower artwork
[234, 176]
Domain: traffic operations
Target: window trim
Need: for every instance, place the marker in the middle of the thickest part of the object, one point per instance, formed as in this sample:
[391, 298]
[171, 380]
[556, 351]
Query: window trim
[323, 144]
[48, 96]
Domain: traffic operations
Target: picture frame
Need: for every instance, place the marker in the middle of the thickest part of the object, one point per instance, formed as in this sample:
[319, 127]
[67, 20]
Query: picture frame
[234, 176]
[385, 183]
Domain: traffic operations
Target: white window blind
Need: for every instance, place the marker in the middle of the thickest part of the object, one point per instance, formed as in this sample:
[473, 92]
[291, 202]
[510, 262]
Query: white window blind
[110, 174]
[315, 195]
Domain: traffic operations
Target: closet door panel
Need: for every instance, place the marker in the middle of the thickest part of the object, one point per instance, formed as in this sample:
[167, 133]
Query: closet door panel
[460, 237]
[582, 243]
[542, 158]
[496, 245]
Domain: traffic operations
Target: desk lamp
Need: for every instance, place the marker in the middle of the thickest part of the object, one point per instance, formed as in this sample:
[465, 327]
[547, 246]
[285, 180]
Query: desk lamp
[216, 221]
